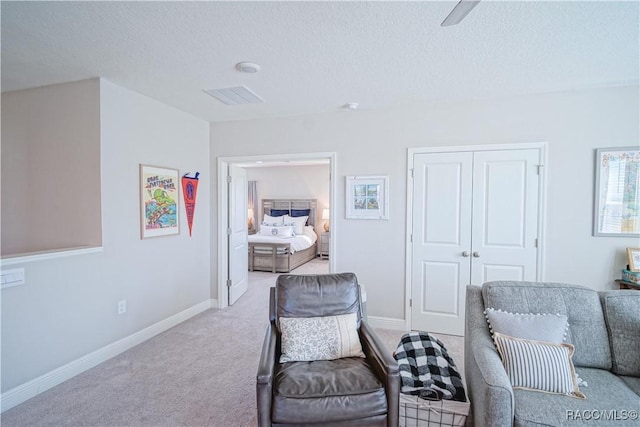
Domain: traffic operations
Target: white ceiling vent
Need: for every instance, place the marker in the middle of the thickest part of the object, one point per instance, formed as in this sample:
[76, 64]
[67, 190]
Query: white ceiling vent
[235, 95]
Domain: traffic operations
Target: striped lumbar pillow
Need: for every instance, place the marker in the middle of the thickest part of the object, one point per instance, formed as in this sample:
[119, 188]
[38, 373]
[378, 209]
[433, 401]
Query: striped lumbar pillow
[538, 365]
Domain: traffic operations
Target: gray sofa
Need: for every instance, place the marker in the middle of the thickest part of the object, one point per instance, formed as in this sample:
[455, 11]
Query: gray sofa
[604, 327]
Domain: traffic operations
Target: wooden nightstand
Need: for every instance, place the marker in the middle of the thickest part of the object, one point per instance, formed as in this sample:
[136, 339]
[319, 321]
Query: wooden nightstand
[325, 238]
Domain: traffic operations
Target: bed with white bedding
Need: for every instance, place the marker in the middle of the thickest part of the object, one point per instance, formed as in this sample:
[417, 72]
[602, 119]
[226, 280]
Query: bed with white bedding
[283, 241]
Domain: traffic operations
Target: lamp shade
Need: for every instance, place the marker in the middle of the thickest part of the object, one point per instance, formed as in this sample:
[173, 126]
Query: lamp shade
[250, 219]
[325, 215]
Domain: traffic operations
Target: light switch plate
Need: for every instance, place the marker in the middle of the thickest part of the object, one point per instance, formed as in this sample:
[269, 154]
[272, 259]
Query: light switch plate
[13, 277]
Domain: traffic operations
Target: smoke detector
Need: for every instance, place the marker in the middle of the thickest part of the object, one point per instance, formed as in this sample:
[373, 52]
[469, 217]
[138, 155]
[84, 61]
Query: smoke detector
[351, 106]
[247, 67]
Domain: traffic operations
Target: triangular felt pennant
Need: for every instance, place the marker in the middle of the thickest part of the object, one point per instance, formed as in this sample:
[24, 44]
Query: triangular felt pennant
[189, 191]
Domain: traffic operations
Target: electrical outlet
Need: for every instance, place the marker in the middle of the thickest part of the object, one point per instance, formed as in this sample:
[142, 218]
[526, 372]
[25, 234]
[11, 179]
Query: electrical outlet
[122, 307]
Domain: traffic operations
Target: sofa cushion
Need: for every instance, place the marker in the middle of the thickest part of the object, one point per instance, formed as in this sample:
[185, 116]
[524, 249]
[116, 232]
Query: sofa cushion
[633, 383]
[622, 315]
[587, 329]
[332, 390]
[607, 396]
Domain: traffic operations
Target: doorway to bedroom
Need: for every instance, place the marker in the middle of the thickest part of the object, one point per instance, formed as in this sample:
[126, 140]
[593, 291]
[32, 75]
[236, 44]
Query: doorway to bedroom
[301, 185]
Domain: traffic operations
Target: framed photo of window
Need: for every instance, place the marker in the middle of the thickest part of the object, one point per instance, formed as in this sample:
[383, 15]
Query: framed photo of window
[159, 191]
[617, 192]
[633, 254]
[367, 197]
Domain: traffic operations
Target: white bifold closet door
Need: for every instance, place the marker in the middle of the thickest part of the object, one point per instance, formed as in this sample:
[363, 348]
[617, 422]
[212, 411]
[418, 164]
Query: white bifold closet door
[475, 219]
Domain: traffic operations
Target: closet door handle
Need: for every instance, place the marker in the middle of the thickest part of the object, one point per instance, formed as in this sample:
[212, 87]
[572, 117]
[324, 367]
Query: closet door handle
[476, 254]
[465, 254]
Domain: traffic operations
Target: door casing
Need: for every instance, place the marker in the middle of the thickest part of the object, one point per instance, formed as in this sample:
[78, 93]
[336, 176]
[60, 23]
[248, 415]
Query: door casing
[222, 198]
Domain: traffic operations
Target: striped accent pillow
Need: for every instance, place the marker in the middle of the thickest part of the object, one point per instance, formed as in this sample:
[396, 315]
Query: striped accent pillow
[538, 365]
[319, 338]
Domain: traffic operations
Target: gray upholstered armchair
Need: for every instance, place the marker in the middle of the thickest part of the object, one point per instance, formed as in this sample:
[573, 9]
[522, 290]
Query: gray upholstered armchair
[349, 391]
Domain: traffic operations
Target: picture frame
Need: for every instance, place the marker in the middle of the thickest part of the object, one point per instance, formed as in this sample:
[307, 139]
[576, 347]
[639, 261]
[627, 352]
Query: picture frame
[633, 254]
[367, 197]
[159, 201]
[617, 192]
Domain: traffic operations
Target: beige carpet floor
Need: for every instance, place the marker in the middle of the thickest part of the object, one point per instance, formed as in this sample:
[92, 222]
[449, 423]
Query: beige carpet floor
[199, 373]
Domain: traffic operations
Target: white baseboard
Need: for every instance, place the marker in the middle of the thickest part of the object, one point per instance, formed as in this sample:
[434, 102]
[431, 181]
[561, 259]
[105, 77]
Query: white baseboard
[32, 388]
[387, 323]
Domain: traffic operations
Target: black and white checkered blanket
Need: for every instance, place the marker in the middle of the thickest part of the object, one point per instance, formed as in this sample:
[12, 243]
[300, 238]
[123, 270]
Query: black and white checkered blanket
[426, 369]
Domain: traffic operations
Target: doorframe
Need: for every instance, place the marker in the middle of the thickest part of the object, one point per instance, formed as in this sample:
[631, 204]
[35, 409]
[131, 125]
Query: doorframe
[223, 220]
[542, 205]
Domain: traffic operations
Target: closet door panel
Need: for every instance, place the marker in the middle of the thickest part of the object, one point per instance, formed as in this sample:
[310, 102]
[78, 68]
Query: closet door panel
[441, 233]
[492, 273]
[505, 215]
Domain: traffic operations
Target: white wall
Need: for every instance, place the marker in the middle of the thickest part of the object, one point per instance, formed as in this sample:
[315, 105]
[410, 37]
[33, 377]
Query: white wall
[68, 306]
[293, 182]
[51, 168]
[375, 142]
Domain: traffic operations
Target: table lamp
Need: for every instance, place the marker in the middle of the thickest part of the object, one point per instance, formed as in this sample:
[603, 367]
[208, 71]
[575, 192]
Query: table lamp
[250, 215]
[325, 215]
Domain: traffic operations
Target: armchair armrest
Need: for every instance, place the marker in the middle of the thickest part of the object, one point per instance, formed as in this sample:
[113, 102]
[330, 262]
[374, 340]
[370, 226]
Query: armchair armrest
[385, 367]
[264, 383]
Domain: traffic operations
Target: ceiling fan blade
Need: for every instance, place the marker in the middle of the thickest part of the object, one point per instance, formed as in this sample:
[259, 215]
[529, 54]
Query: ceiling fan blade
[458, 13]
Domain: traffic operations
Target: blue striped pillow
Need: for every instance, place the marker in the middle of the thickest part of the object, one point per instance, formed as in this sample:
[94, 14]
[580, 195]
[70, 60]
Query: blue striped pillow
[538, 365]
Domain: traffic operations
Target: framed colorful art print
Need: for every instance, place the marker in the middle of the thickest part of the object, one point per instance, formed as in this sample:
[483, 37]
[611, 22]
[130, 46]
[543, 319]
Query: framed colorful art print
[159, 192]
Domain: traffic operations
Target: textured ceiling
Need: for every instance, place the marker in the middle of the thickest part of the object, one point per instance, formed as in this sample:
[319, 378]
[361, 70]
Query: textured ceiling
[316, 56]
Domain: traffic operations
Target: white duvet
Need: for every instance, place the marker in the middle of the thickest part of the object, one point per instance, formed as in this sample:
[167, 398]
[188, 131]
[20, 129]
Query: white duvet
[297, 243]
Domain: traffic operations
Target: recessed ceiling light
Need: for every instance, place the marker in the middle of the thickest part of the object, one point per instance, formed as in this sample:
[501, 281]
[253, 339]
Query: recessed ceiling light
[247, 67]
